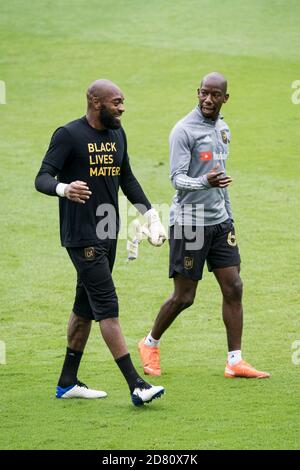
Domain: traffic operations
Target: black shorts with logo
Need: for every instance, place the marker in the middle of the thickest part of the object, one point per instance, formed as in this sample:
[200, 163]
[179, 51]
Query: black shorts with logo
[190, 247]
[96, 297]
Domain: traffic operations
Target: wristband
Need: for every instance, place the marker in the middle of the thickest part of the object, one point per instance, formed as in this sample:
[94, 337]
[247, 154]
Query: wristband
[60, 189]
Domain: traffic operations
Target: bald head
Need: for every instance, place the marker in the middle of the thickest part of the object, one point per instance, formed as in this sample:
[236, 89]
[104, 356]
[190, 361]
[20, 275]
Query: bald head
[105, 105]
[215, 79]
[101, 90]
[212, 94]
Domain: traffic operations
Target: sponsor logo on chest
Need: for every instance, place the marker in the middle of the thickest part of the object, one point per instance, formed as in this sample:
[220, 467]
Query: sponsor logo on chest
[208, 155]
[211, 149]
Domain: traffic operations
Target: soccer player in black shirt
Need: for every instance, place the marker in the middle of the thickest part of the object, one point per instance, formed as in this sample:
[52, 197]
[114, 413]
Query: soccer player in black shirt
[85, 165]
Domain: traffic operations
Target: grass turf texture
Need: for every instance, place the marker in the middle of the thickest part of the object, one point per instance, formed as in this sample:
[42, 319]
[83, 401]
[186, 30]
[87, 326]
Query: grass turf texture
[157, 52]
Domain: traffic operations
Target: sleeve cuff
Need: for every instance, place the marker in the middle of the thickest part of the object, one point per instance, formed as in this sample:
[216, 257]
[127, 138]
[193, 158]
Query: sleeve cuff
[205, 182]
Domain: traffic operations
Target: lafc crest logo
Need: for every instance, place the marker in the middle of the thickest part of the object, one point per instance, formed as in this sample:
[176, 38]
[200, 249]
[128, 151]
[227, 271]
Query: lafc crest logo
[188, 262]
[224, 137]
[231, 240]
[89, 253]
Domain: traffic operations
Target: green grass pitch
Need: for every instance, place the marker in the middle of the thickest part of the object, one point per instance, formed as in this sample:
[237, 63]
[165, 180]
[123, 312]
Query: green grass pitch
[157, 52]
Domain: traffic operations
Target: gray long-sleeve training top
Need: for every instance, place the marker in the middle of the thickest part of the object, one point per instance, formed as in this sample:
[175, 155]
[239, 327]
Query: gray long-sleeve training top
[197, 144]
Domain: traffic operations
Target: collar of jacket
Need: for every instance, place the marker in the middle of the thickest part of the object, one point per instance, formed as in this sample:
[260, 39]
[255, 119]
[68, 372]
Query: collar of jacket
[212, 122]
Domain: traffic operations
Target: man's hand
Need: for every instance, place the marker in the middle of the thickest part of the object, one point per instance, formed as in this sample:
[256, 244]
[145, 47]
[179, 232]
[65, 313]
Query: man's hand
[217, 178]
[77, 191]
[157, 233]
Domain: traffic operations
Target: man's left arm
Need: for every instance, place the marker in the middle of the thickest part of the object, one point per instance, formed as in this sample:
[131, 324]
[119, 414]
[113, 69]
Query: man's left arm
[135, 194]
[132, 188]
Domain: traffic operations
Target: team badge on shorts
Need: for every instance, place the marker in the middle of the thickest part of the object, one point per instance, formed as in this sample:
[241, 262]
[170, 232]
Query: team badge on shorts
[188, 262]
[224, 137]
[89, 253]
[231, 240]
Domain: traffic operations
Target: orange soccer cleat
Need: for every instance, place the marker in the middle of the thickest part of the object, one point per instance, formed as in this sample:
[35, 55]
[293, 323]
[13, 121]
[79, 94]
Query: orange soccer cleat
[243, 369]
[150, 358]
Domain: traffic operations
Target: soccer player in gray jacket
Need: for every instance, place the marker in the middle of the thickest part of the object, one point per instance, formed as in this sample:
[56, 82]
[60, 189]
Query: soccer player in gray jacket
[201, 226]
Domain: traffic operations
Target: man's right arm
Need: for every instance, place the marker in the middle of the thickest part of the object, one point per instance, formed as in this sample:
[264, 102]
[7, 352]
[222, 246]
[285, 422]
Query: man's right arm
[45, 181]
[59, 151]
[58, 154]
[180, 159]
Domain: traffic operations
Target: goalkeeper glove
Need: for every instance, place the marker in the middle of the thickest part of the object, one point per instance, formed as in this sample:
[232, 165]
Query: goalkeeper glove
[157, 233]
[140, 232]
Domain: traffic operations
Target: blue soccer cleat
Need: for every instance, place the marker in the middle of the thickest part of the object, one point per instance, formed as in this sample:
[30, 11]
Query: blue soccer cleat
[79, 390]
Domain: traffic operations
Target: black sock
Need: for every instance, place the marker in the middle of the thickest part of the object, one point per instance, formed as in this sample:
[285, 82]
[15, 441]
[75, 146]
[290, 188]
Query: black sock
[129, 372]
[70, 368]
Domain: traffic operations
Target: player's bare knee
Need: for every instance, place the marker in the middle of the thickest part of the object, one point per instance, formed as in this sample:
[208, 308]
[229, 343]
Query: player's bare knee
[80, 322]
[233, 292]
[110, 322]
[183, 301]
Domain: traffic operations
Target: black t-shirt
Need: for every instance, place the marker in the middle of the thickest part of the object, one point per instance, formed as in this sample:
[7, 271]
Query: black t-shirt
[77, 151]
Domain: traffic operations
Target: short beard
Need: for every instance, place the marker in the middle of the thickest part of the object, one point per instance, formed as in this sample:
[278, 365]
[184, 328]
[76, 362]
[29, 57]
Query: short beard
[107, 120]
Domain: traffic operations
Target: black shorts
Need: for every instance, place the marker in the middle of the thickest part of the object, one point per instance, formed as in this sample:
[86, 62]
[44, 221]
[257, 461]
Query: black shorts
[96, 297]
[216, 244]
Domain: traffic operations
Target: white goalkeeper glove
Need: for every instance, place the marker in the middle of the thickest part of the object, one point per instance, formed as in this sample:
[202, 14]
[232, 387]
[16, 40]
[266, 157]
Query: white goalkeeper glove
[157, 233]
[140, 232]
